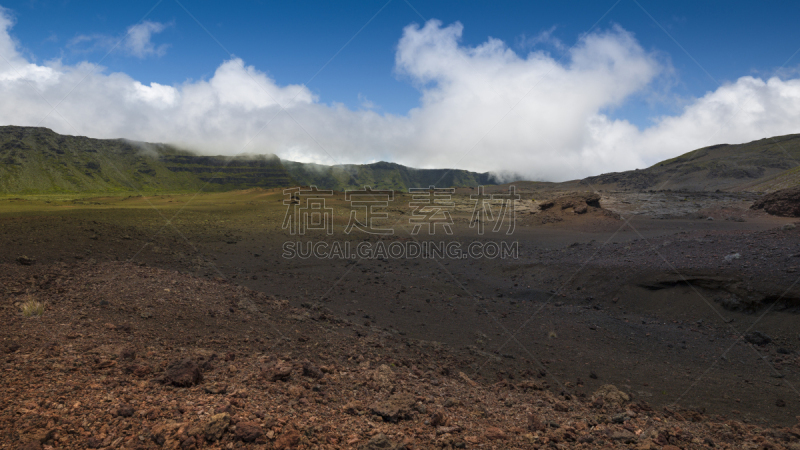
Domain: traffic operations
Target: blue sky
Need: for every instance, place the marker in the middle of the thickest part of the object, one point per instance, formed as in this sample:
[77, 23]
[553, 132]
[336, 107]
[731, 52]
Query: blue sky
[692, 49]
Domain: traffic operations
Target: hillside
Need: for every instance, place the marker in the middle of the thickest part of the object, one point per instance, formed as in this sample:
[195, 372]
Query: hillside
[40, 161]
[382, 175]
[755, 166]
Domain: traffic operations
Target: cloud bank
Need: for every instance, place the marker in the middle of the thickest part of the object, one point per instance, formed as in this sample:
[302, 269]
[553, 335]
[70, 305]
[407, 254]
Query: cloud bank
[483, 108]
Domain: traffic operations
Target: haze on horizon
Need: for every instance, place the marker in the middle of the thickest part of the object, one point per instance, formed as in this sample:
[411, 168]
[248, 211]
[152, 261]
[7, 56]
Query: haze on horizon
[547, 111]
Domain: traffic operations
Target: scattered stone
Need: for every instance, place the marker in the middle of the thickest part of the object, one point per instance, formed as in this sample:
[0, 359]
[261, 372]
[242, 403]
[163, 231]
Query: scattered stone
[757, 338]
[467, 379]
[128, 353]
[609, 394]
[217, 426]
[383, 375]
[535, 424]
[353, 408]
[93, 442]
[287, 440]
[311, 371]
[280, 371]
[732, 256]
[139, 370]
[247, 431]
[494, 433]
[183, 373]
[378, 442]
[444, 430]
[11, 348]
[619, 418]
[438, 419]
[398, 407]
[33, 445]
[124, 411]
[624, 435]
[216, 389]
[26, 261]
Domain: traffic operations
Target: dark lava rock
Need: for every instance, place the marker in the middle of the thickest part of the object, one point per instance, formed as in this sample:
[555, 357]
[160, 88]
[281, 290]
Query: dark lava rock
[33, 445]
[128, 353]
[287, 440]
[757, 338]
[378, 442]
[217, 426]
[280, 371]
[25, 261]
[124, 411]
[247, 431]
[11, 348]
[216, 389]
[139, 370]
[535, 424]
[438, 419]
[397, 407]
[189, 443]
[311, 371]
[183, 373]
[785, 203]
[94, 442]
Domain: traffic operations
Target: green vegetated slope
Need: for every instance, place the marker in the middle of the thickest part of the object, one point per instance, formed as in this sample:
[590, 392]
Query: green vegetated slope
[39, 161]
[382, 175]
[723, 167]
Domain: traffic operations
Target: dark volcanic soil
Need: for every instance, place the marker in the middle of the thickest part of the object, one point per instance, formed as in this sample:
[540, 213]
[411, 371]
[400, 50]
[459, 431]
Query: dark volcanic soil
[666, 310]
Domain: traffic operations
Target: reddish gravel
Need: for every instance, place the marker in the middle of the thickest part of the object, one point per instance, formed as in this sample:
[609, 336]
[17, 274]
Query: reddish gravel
[128, 356]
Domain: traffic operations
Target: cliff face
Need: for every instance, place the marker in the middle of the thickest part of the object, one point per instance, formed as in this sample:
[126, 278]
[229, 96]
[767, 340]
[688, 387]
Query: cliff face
[40, 161]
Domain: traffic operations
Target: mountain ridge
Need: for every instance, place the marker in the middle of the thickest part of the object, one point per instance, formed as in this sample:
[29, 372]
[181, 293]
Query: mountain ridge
[40, 161]
[726, 167]
[35, 160]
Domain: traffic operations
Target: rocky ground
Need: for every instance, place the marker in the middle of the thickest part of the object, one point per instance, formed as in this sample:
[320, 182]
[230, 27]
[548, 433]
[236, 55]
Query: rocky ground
[200, 333]
[127, 356]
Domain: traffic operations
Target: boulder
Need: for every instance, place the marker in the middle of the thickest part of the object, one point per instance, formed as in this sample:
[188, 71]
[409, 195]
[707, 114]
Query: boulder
[785, 203]
[183, 373]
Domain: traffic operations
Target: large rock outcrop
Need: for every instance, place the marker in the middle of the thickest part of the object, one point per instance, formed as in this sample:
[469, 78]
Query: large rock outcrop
[785, 203]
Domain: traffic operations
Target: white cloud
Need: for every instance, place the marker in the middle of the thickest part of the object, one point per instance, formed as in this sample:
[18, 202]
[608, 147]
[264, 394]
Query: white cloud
[544, 37]
[135, 42]
[484, 108]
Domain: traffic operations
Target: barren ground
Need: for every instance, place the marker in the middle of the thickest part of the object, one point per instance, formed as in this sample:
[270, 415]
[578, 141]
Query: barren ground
[651, 306]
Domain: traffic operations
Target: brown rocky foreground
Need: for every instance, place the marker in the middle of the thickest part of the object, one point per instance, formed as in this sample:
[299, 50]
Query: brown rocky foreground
[129, 356]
